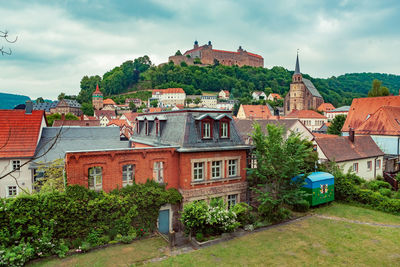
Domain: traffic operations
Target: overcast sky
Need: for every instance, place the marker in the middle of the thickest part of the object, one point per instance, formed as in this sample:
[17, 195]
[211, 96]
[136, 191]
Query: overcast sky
[61, 41]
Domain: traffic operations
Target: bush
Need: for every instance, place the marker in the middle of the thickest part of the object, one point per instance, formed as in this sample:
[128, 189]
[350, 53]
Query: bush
[301, 206]
[375, 185]
[385, 192]
[243, 213]
[199, 237]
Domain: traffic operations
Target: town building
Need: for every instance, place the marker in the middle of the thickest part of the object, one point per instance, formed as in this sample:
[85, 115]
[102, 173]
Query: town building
[325, 107]
[66, 106]
[255, 112]
[136, 101]
[227, 104]
[311, 119]
[97, 99]
[197, 151]
[259, 95]
[169, 97]
[359, 154]
[274, 97]
[224, 94]
[125, 129]
[331, 114]
[109, 104]
[20, 131]
[206, 101]
[46, 106]
[209, 56]
[80, 123]
[302, 94]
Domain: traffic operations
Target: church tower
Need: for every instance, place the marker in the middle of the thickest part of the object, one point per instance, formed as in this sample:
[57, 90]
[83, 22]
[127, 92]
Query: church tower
[97, 99]
[297, 77]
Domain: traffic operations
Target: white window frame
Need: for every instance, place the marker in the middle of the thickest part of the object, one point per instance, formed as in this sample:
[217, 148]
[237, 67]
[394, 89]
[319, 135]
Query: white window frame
[128, 174]
[16, 165]
[224, 129]
[232, 167]
[232, 200]
[206, 130]
[216, 168]
[8, 191]
[198, 171]
[355, 167]
[95, 173]
[158, 171]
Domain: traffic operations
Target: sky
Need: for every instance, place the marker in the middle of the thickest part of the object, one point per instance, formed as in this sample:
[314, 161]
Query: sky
[59, 42]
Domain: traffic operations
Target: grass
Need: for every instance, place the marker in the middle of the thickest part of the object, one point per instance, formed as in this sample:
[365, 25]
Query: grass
[308, 242]
[118, 255]
[347, 211]
[311, 241]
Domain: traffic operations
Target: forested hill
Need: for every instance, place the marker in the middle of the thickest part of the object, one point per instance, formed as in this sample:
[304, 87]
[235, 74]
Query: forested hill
[240, 81]
[9, 101]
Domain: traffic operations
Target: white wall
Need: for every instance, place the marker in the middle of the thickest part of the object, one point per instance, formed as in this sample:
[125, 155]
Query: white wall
[23, 176]
[363, 171]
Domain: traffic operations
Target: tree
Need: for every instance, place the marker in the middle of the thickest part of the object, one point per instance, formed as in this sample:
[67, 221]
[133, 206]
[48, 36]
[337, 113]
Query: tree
[132, 107]
[197, 61]
[61, 96]
[50, 177]
[4, 35]
[377, 89]
[39, 100]
[279, 160]
[87, 109]
[154, 103]
[178, 53]
[57, 116]
[336, 125]
[188, 101]
[197, 100]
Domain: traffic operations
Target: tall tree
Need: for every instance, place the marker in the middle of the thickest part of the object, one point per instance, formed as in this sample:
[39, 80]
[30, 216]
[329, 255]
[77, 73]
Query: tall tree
[377, 89]
[336, 125]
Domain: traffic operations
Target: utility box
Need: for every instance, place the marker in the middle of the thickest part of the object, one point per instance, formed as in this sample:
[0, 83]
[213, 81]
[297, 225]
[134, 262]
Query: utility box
[320, 186]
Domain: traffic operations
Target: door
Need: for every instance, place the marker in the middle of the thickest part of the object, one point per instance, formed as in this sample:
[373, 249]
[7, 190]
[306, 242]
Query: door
[163, 221]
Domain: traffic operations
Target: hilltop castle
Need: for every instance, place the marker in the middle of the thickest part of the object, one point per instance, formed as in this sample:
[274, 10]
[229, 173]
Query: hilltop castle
[302, 94]
[209, 56]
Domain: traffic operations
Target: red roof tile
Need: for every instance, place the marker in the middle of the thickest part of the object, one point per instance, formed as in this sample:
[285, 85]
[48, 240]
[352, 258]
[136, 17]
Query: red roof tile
[277, 96]
[118, 122]
[361, 108]
[256, 111]
[385, 121]
[321, 135]
[169, 91]
[108, 101]
[151, 110]
[97, 92]
[325, 107]
[20, 133]
[82, 123]
[341, 149]
[131, 116]
[307, 114]
[254, 55]
[108, 113]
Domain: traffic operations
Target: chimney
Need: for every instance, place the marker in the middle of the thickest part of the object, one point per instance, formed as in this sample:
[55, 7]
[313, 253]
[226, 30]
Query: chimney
[28, 107]
[62, 116]
[82, 117]
[351, 135]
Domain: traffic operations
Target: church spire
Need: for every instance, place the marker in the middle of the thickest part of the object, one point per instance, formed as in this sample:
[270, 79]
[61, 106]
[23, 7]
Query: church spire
[297, 70]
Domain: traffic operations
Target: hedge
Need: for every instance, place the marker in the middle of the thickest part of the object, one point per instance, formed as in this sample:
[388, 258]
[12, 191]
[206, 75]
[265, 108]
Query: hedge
[43, 224]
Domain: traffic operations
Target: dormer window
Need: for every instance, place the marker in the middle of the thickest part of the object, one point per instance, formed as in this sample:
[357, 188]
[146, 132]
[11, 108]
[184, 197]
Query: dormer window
[206, 130]
[146, 125]
[224, 131]
[157, 127]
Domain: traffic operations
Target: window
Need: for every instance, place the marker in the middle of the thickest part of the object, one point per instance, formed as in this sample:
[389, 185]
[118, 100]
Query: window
[378, 164]
[355, 167]
[198, 171]
[232, 200]
[137, 126]
[158, 171]
[11, 191]
[158, 128]
[206, 130]
[146, 125]
[232, 167]
[224, 129]
[128, 174]
[95, 178]
[369, 165]
[16, 165]
[216, 169]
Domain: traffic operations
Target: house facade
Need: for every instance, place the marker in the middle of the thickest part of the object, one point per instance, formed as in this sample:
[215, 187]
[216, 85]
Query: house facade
[224, 94]
[311, 119]
[258, 95]
[254, 112]
[20, 131]
[331, 114]
[66, 106]
[169, 97]
[274, 96]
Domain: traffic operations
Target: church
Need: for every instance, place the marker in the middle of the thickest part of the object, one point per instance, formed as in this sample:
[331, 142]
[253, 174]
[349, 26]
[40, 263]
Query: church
[302, 94]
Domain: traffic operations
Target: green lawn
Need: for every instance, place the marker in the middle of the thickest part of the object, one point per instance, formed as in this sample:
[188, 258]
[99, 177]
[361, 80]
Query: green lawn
[357, 213]
[311, 241]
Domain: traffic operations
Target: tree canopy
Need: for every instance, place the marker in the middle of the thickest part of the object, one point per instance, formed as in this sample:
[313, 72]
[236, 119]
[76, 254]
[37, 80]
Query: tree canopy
[377, 89]
[336, 125]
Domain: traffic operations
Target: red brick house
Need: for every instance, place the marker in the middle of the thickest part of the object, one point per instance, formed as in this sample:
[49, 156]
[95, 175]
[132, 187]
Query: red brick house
[198, 151]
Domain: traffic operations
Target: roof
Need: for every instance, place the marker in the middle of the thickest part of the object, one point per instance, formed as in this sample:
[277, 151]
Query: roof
[325, 107]
[254, 55]
[305, 114]
[274, 95]
[58, 123]
[151, 110]
[19, 132]
[69, 102]
[310, 86]
[108, 113]
[257, 111]
[361, 108]
[77, 138]
[319, 176]
[322, 135]
[297, 69]
[341, 149]
[169, 91]
[97, 91]
[46, 106]
[385, 121]
[118, 122]
[130, 116]
[85, 117]
[258, 93]
[182, 128]
[340, 109]
[108, 101]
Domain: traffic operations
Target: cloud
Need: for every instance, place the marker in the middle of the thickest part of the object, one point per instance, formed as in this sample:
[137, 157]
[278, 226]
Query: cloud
[61, 41]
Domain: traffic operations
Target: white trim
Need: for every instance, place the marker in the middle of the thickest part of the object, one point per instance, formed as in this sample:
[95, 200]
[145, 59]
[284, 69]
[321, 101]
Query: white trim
[169, 208]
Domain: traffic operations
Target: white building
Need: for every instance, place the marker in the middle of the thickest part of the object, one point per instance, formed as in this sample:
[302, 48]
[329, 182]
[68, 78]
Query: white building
[311, 119]
[169, 97]
[331, 114]
[257, 95]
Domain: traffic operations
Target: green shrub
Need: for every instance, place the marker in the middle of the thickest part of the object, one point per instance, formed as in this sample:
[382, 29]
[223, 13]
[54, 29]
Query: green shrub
[375, 185]
[396, 195]
[200, 237]
[16, 255]
[301, 206]
[385, 192]
[126, 239]
[243, 213]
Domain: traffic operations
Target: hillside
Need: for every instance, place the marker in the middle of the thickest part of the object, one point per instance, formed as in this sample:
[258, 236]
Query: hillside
[9, 101]
[240, 81]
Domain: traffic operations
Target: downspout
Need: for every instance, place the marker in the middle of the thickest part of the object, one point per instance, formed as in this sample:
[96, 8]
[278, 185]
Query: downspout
[375, 167]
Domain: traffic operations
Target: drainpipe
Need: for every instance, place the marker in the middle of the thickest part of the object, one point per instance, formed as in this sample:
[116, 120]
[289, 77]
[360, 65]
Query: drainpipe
[375, 167]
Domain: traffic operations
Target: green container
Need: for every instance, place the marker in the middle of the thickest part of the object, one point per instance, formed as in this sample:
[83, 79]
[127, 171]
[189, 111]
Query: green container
[320, 186]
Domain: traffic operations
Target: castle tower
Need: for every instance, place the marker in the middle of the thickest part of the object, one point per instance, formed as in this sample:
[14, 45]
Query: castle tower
[97, 99]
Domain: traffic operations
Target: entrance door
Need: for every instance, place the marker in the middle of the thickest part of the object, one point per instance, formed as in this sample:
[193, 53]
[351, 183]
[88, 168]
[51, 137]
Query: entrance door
[163, 221]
